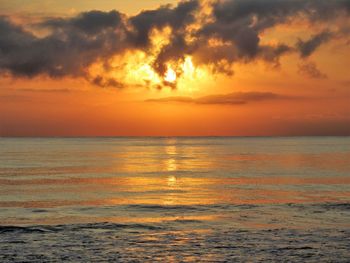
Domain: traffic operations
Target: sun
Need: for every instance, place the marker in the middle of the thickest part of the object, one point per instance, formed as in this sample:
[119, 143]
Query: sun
[136, 69]
[170, 75]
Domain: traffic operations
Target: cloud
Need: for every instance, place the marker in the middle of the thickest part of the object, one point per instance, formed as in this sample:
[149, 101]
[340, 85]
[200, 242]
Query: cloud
[235, 98]
[241, 22]
[46, 90]
[12, 98]
[71, 45]
[173, 99]
[177, 18]
[106, 82]
[309, 69]
[90, 23]
[345, 83]
[306, 48]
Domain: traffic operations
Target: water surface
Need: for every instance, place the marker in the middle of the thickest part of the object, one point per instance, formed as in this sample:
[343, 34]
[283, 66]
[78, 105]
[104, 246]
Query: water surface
[175, 199]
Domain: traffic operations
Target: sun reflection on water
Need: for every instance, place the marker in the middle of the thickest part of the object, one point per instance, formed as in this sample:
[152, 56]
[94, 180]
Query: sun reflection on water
[171, 152]
[171, 165]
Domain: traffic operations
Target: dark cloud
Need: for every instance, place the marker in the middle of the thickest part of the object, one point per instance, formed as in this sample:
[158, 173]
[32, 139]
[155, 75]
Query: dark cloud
[309, 69]
[306, 48]
[106, 82]
[73, 44]
[89, 22]
[174, 51]
[46, 90]
[345, 83]
[13, 98]
[173, 99]
[267, 13]
[235, 98]
[239, 23]
[177, 18]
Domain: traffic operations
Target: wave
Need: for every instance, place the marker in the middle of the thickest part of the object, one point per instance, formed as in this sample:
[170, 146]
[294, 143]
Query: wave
[75, 227]
[340, 206]
[19, 229]
[323, 206]
[190, 207]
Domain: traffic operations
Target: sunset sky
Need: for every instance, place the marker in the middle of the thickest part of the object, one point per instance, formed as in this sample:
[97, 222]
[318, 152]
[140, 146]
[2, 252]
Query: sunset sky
[174, 68]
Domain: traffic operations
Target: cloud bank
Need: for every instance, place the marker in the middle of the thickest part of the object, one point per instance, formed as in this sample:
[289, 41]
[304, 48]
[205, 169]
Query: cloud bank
[215, 33]
[235, 98]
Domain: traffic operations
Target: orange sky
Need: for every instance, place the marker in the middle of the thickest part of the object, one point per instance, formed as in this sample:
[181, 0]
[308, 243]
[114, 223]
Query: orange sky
[203, 68]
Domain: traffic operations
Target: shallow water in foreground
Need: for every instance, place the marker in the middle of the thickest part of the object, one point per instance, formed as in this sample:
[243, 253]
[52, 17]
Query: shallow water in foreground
[175, 199]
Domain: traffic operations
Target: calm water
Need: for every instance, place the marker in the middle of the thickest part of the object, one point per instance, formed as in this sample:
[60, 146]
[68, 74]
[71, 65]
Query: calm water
[175, 199]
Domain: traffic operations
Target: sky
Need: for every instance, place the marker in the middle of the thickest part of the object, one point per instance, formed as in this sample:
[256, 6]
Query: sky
[174, 68]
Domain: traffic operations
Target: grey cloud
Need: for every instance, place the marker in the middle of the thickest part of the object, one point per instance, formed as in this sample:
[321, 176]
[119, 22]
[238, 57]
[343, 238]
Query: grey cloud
[173, 99]
[273, 53]
[73, 44]
[107, 82]
[177, 18]
[174, 51]
[306, 48]
[89, 22]
[46, 90]
[240, 22]
[235, 98]
[345, 83]
[269, 12]
[309, 69]
[14, 98]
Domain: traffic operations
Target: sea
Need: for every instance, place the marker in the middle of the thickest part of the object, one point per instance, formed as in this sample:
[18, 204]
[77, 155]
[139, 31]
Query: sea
[175, 199]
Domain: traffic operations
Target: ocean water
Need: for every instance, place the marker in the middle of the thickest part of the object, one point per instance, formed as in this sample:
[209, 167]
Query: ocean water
[175, 199]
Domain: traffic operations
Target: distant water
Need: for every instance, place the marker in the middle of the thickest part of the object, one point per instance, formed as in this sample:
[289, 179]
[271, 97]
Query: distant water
[175, 199]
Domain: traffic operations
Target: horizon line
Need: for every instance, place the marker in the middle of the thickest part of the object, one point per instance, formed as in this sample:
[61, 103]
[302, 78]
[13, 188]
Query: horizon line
[166, 136]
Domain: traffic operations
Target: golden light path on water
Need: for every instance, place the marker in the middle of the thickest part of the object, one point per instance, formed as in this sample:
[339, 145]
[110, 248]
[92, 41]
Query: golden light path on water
[170, 199]
[171, 172]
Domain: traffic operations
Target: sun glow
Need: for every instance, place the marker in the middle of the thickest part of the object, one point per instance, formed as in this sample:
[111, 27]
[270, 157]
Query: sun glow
[170, 75]
[136, 69]
[188, 67]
